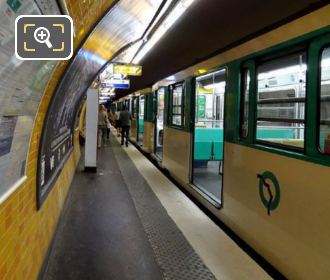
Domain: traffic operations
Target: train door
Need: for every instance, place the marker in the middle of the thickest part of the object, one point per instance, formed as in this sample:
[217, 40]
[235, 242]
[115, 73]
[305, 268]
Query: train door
[141, 119]
[208, 131]
[159, 122]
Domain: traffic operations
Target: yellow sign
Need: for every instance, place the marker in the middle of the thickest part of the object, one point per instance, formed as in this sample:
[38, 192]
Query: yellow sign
[127, 69]
[203, 90]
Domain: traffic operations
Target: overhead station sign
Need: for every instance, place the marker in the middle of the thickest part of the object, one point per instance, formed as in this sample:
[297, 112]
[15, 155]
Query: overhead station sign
[128, 69]
[116, 83]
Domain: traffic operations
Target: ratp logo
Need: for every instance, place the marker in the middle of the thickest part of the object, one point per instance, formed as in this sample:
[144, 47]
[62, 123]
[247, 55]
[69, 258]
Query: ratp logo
[40, 37]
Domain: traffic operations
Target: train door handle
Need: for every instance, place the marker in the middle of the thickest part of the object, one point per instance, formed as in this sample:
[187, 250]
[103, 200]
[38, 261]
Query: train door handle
[271, 197]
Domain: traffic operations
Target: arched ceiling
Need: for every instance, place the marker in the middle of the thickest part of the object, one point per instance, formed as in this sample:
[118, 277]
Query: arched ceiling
[85, 14]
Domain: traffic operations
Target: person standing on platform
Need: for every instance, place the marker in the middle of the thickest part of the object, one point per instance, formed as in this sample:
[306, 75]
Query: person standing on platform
[125, 118]
[102, 126]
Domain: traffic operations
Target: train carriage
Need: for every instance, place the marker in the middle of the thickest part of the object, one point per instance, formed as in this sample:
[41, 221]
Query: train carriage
[247, 133]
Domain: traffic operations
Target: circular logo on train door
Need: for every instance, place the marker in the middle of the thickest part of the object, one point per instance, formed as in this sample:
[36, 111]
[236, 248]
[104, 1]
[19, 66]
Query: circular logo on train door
[269, 185]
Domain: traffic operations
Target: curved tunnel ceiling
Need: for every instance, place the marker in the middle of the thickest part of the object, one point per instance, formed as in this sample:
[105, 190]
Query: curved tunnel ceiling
[85, 13]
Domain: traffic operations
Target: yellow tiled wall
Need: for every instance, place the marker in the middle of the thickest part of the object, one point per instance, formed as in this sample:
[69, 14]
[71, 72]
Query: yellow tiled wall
[85, 13]
[25, 233]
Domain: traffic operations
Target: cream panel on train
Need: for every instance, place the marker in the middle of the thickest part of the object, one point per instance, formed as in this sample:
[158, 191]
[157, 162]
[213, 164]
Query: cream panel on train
[177, 154]
[148, 137]
[133, 132]
[296, 233]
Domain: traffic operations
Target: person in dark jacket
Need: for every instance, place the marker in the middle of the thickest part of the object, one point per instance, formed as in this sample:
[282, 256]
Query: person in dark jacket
[125, 118]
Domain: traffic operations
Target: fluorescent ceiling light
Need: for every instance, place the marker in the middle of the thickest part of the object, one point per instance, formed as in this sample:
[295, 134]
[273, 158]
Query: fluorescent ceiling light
[164, 9]
[284, 71]
[174, 15]
[325, 62]
[211, 74]
[217, 85]
[170, 78]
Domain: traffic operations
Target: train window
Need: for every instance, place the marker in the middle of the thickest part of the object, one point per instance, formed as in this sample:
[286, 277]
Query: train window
[210, 94]
[324, 112]
[177, 105]
[135, 107]
[245, 103]
[141, 106]
[127, 104]
[131, 105]
[281, 100]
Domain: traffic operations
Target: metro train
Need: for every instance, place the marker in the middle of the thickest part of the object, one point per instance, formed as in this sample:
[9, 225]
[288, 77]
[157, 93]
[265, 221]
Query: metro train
[247, 133]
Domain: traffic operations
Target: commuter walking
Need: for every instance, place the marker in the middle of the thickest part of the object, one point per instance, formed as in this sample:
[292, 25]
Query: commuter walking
[112, 118]
[109, 123]
[117, 122]
[102, 126]
[125, 118]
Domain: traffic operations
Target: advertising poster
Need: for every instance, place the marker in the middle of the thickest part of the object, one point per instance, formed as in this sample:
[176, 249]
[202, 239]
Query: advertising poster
[58, 132]
[21, 88]
[201, 103]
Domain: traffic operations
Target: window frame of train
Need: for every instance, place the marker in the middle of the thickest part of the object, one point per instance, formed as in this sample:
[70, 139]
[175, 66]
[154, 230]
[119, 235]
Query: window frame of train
[131, 105]
[312, 45]
[316, 50]
[295, 103]
[127, 104]
[135, 106]
[257, 67]
[321, 100]
[247, 95]
[182, 105]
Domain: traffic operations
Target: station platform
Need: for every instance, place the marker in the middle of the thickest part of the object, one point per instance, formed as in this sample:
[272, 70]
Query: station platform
[129, 221]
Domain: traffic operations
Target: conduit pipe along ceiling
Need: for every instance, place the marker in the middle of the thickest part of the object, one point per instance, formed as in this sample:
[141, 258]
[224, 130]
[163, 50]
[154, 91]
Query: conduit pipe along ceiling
[123, 27]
